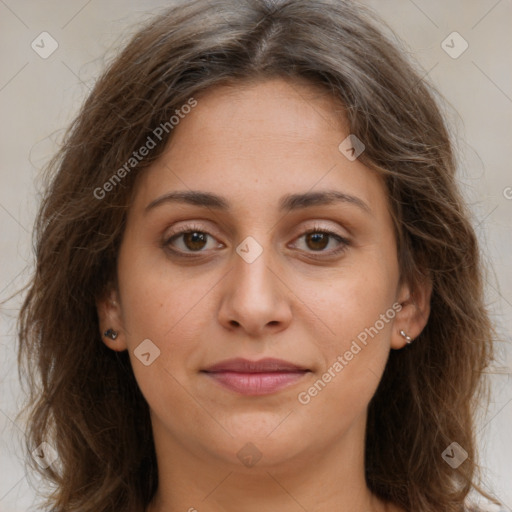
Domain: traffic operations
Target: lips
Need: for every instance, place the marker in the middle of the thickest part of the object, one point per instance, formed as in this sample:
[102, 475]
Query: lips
[262, 366]
[261, 377]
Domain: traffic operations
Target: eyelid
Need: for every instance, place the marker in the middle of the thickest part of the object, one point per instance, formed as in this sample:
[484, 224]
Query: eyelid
[190, 226]
[325, 228]
[318, 226]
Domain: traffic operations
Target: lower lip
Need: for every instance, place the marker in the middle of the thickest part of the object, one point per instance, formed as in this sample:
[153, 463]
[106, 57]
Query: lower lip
[256, 383]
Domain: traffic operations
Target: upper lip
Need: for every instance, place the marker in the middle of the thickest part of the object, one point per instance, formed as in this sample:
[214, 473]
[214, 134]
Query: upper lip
[266, 365]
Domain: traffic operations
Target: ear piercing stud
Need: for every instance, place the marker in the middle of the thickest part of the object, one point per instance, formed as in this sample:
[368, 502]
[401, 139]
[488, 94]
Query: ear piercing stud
[110, 333]
[408, 339]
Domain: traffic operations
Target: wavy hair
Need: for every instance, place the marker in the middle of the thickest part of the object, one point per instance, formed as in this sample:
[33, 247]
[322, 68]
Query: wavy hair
[84, 399]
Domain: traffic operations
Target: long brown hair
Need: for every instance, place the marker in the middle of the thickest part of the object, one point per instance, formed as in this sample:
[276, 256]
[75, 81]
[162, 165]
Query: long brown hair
[84, 399]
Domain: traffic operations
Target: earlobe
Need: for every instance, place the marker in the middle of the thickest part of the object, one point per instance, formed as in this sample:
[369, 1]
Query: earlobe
[110, 321]
[414, 313]
[407, 338]
[110, 333]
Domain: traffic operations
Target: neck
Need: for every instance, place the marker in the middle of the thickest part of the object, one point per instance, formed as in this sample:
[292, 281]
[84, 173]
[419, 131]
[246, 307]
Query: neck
[326, 479]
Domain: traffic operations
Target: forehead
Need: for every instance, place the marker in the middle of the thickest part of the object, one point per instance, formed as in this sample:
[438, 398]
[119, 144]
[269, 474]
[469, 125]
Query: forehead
[258, 140]
[277, 111]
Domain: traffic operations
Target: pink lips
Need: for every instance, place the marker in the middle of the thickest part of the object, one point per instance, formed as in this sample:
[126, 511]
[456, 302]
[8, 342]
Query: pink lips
[255, 377]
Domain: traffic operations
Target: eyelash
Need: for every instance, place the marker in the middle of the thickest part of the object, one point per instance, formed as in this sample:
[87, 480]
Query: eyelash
[344, 243]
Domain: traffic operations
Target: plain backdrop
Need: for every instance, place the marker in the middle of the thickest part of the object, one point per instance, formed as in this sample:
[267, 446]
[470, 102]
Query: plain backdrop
[40, 96]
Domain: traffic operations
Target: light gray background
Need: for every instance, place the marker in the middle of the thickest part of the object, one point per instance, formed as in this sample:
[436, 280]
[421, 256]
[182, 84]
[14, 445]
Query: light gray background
[39, 97]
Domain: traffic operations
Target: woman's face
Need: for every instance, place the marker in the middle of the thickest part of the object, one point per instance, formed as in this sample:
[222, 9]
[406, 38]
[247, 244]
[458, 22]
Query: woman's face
[277, 246]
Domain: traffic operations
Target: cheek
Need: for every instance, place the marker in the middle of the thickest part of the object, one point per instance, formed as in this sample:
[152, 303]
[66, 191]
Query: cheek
[158, 299]
[354, 298]
[166, 307]
[169, 310]
[358, 309]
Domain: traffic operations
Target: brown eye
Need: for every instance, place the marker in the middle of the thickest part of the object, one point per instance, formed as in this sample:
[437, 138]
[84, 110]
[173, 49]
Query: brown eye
[324, 242]
[317, 241]
[191, 241]
[194, 240]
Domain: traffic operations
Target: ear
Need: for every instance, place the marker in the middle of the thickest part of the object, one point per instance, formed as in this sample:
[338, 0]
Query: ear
[414, 312]
[110, 317]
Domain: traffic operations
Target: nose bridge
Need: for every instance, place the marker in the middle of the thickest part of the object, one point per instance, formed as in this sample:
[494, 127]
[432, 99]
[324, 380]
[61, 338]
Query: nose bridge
[251, 273]
[254, 299]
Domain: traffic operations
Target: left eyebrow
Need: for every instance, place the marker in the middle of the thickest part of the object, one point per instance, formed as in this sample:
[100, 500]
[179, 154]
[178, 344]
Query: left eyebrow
[289, 202]
[296, 201]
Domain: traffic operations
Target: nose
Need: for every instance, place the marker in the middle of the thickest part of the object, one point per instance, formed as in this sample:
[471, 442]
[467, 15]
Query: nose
[255, 300]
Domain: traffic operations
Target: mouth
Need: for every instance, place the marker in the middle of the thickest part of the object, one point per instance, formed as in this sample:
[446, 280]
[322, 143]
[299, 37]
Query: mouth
[255, 378]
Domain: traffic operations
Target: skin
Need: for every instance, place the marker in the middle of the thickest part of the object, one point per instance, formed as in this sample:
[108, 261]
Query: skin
[253, 144]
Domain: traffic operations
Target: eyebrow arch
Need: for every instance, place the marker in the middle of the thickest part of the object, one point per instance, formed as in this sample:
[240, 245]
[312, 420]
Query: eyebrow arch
[289, 202]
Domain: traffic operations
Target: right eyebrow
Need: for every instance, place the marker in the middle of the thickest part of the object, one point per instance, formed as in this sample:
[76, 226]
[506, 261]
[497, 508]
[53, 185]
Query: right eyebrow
[194, 197]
